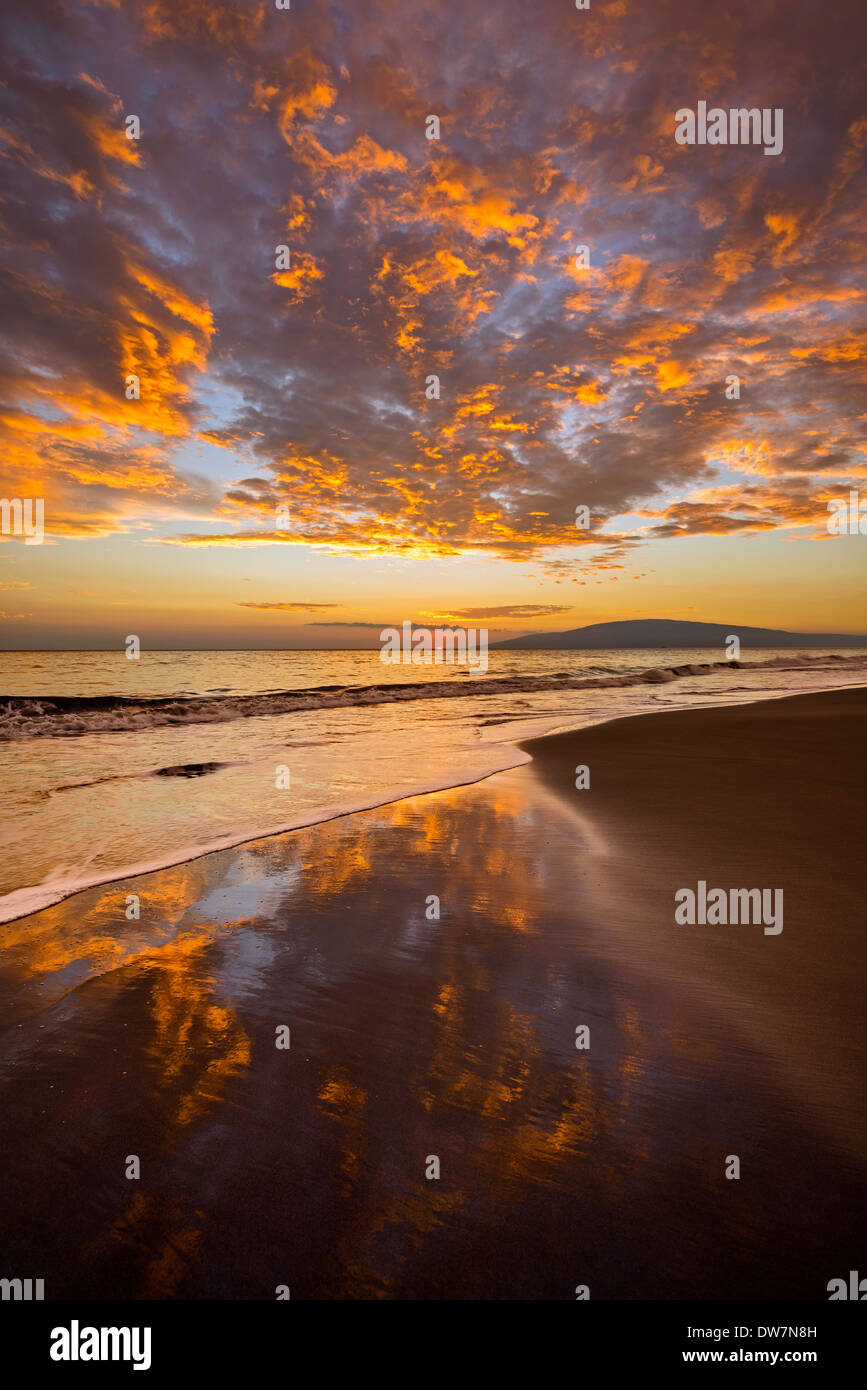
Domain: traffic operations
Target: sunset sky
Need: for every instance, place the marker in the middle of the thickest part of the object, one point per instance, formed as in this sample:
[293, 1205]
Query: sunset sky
[304, 387]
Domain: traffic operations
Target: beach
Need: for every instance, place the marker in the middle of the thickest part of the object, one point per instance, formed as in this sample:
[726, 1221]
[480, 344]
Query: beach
[433, 960]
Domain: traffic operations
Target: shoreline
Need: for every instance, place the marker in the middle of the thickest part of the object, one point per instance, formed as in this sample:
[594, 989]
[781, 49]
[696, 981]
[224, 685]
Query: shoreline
[55, 895]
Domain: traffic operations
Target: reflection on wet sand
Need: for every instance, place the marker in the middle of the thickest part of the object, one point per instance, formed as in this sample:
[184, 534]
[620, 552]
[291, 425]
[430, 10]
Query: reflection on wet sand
[410, 1037]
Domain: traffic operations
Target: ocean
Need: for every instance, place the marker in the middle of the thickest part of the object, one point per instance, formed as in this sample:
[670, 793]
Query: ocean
[111, 767]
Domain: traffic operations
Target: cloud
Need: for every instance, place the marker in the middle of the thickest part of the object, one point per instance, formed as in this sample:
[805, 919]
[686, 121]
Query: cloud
[293, 607]
[558, 385]
[511, 610]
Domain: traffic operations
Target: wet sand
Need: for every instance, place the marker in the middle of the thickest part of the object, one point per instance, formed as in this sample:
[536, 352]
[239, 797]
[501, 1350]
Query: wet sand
[414, 1036]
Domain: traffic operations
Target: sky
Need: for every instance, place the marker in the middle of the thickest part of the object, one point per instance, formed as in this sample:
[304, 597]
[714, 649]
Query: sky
[376, 376]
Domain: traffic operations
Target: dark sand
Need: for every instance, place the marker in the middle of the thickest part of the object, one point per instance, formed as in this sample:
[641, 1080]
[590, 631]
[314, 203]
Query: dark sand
[769, 795]
[455, 1037]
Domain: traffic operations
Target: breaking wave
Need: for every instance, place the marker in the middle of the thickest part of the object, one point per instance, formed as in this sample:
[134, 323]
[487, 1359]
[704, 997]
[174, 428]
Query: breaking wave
[65, 716]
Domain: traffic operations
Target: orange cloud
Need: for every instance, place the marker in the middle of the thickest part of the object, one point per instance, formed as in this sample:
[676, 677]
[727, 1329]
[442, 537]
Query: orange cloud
[670, 375]
[301, 276]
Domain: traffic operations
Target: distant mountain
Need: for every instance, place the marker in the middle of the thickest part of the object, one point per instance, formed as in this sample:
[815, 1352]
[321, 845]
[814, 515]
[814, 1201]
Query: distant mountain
[671, 632]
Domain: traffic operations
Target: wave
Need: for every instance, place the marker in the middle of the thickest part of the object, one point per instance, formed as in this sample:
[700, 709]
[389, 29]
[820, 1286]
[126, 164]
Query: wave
[70, 716]
[65, 882]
